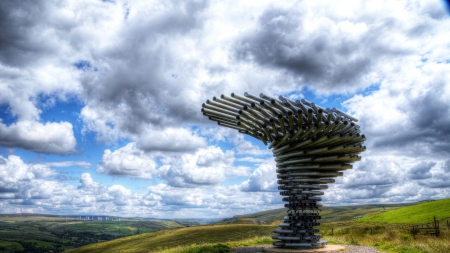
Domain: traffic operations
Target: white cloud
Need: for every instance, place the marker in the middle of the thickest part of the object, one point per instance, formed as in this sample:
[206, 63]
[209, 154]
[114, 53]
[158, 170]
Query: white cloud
[26, 188]
[146, 74]
[264, 178]
[207, 166]
[50, 137]
[128, 161]
[14, 172]
[251, 159]
[170, 140]
[82, 164]
[421, 170]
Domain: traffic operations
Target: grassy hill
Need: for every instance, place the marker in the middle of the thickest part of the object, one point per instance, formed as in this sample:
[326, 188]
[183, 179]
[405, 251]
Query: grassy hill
[415, 214]
[244, 230]
[171, 238]
[40, 233]
[329, 214]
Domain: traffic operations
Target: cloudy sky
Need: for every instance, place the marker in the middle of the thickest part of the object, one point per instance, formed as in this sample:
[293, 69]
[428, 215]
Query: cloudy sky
[100, 101]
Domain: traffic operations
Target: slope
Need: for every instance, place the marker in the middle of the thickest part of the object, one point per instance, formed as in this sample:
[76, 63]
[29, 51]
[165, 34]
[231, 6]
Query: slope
[329, 214]
[150, 242]
[414, 214]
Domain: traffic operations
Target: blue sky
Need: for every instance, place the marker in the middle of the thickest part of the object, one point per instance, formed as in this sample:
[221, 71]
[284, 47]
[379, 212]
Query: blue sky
[100, 101]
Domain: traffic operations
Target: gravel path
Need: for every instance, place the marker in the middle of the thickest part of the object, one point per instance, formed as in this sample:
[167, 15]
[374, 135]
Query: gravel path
[349, 249]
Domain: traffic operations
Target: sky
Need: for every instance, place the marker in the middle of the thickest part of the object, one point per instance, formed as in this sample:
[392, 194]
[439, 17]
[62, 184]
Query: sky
[100, 101]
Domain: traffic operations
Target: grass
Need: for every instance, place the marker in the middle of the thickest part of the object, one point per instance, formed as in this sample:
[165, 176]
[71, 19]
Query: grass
[386, 227]
[207, 248]
[415, 214]
[388, 239]
[6, 246]
[383, 234]
[329, 214]
[41, 233]
[229, 235]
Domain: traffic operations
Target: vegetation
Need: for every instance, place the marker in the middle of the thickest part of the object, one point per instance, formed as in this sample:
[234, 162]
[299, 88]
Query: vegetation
[230, 235]
[329, 214]
[386, 227]
[397, 238]
[244, 231]
[415, 214]
[39, 233]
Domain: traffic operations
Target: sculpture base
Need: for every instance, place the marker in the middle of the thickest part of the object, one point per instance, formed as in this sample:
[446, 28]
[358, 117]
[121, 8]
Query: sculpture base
[327, 249]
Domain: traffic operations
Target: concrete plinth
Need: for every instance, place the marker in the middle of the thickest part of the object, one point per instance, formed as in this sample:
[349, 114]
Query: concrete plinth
[326, 249]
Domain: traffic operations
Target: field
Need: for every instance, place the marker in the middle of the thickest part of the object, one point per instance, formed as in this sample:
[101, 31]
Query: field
[416, 214]
[386, 227]
[244, 231]
[38, 233]
[329, 214]
[166, 239]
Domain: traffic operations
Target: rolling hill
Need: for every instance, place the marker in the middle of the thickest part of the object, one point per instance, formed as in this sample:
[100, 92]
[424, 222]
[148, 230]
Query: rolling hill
[415, 214]
[245, 227]
[151, 242]
[329, 214]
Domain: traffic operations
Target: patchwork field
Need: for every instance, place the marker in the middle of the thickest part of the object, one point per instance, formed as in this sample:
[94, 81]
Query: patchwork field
[387, 227]
[342, 228]
[39, 233]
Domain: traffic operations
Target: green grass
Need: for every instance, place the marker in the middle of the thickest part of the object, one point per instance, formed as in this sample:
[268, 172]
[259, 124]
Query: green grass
[329, 214]
[415, 214]
[387, 238]
[231, 235]
[6, 246]
[52, 232]
[375, 230]
[206, 248]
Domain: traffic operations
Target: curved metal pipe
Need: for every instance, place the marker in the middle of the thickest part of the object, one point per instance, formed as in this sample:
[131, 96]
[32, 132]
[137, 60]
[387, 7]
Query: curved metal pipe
[281, 121]
[244, 99]
[256, 98]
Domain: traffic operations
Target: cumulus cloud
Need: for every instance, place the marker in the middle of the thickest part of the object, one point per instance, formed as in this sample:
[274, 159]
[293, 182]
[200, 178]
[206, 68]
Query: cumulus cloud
[338, 50]
[207, 166]
[81, 164]
[128, 161]
[373, 172]
[137, 84]
[421, 170]
[415, 123]
[264, 178]
[27, 188]
[446, 166]
[170, 140]
[33, 63]
[438, 181]
[50, 137]
[17, 177]
[142, 69]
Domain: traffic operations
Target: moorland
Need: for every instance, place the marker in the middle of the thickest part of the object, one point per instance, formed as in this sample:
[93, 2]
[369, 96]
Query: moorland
[389, 228]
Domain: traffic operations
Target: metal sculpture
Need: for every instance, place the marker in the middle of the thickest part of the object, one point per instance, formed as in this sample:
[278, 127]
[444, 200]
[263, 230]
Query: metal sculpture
[311, 145]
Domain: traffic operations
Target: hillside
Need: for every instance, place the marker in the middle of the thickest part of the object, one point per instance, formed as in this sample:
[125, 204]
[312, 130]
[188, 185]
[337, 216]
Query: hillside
[329, 214]
[40, 233]
[414, 214]
[151, 242]
[233, 233]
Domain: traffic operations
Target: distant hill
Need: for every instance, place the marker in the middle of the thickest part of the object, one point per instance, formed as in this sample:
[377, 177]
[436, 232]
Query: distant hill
[329, 214]
[415, 214]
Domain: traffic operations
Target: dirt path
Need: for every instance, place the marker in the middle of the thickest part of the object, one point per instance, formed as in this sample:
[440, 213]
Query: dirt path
[349, 249]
